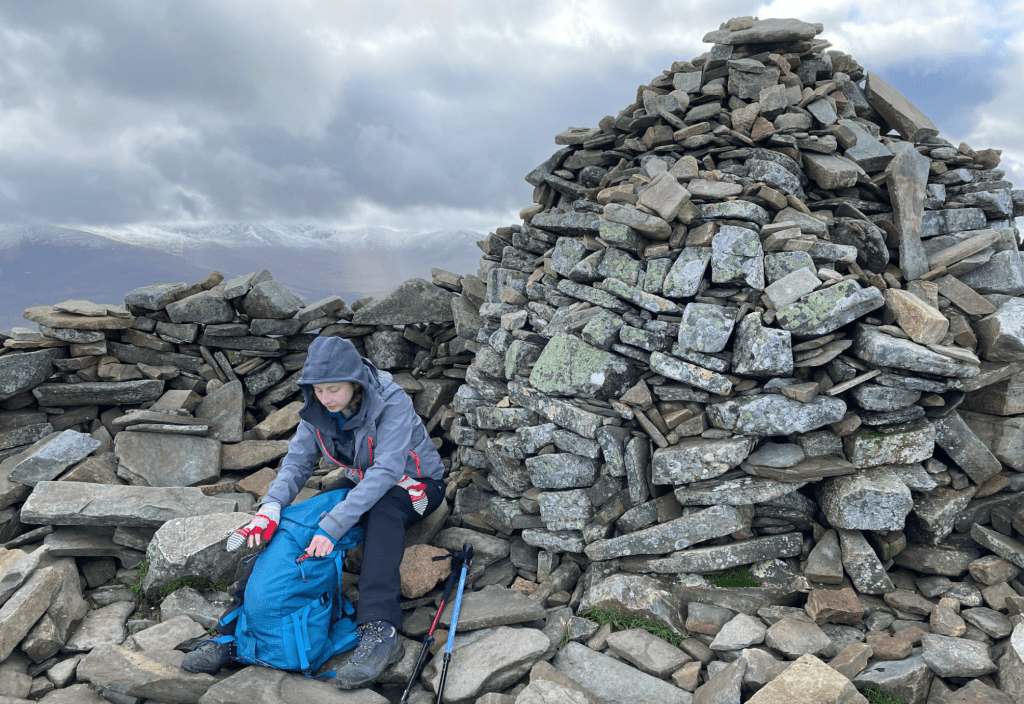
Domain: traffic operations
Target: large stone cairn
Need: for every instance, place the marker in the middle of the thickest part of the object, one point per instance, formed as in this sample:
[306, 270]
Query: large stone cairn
[764, 318]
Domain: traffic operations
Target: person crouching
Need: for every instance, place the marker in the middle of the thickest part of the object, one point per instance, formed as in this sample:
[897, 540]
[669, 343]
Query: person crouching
[360, 420]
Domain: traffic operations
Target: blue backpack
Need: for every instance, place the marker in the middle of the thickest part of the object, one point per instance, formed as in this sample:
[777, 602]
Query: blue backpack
[294, 616]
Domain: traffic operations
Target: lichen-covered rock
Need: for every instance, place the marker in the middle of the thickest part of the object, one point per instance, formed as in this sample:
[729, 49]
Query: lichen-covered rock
[823, 311]
[570, 367]
[875, 499]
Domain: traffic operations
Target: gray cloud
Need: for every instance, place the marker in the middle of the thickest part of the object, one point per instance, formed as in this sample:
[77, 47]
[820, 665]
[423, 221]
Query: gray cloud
[420, 115]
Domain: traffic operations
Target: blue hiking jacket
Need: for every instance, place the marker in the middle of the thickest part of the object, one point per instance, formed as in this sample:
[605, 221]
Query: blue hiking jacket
[379, 444]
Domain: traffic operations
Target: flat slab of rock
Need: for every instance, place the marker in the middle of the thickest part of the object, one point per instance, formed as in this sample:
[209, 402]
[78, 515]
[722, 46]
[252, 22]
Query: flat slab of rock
[490, 664]
[107, 393]
[696, 459]
[102, 627]
[50, 461]
[766, 31]
[956, 657]
[154, 674]
[22, 372]
[647, 652]
[493, 606]
[90, 541]
[413, 301]
[772, 415]
[80, 504]
[225, 410]
[261, 685]
[24, 608]
[613, 681]
[677, 534]
[161, 459]
[821, 312]
[912, 124]
[720, 557]
[46, 315]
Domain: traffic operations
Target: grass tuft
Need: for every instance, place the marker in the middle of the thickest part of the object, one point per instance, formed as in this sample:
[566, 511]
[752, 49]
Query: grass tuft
[623, 622]
[876, 696]
[158, 594]
[737, 577]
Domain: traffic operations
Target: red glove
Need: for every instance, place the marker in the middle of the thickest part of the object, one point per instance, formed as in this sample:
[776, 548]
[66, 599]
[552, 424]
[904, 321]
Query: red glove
[261, 527]
[417, 493]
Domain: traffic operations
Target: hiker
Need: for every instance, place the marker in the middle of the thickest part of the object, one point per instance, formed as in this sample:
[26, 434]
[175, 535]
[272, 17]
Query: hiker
[361, 420]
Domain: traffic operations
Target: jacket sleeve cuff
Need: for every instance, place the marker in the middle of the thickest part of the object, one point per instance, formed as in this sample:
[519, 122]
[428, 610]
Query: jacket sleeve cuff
[324, 533]
[331, 528]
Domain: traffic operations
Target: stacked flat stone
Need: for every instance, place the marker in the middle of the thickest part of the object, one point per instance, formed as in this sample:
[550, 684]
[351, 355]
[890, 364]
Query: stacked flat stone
[764, 316]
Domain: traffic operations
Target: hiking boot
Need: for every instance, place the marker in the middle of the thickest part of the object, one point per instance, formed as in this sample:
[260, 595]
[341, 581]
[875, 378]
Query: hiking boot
[378, 647]
[208, 657]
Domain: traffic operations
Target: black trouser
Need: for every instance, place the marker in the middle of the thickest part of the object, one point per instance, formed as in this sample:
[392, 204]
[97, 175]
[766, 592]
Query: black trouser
[380, 583]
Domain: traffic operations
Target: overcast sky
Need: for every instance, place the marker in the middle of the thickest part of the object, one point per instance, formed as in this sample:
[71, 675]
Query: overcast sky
[411, 114]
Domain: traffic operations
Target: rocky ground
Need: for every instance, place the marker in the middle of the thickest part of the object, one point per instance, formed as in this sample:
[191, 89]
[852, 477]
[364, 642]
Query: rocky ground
[735, 414]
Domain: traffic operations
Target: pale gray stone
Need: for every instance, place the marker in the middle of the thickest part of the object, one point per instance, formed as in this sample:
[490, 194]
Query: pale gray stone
[561, 471]
[821, 312]
[160, 459]
[830, 172]
[649, 597]
[101, 392]
[909, 680]
[684, 278]
[1001, 334]
[677, 534]
[565, 510]
[493, 606]
[568, 366]
[706, 327]
[647, 652]
[103, 627]
[721, 557]
[761, 351]
[205, 308]
[794, 637]
[412, 301]
[741, 632]
[696, 459]
[878, 349]
[77, 503]
[260, 684]
[25, 607]
[195, 547]
[614, 681]
[956, 657]
[50, 461]
[205, 609]
[736, 256]
[874, 499]
[861, 562]
[492, 663]
[772, 415]
[25, 371]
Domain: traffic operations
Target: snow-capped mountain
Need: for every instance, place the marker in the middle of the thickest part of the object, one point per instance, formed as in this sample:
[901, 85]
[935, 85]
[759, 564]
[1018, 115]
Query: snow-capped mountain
[44, 264]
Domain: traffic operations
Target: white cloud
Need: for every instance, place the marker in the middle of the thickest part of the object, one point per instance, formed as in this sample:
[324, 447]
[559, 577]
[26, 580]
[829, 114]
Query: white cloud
[407, 114]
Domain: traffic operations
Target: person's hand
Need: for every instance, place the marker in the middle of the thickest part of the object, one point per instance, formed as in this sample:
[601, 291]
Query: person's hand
[260, 528]
[320, 546]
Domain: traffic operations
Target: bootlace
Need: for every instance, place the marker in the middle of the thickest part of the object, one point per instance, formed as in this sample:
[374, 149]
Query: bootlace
[369, 637]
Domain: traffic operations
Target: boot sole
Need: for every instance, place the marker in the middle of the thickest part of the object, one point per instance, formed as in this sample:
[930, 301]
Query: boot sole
[395, 657]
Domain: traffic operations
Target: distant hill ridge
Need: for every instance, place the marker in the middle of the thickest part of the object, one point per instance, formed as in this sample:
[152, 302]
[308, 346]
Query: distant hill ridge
[38, 260]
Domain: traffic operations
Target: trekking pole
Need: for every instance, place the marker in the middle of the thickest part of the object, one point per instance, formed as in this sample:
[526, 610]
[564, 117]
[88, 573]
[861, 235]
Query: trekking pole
[457, 560]
[467, 550]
